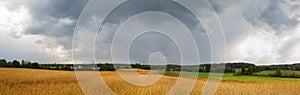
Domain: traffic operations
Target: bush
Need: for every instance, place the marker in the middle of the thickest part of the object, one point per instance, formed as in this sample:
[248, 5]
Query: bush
[278, 73]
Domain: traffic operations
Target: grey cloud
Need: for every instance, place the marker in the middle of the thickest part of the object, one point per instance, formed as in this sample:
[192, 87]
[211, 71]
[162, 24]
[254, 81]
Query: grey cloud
[275, 14]
[52, 21]
[237, 16]
[42, 9]
[151, 42]
[50, 28]
[123, 12]
[221, 6]
[39, 41]
[251, 19]
[49, 18]
[48, 13]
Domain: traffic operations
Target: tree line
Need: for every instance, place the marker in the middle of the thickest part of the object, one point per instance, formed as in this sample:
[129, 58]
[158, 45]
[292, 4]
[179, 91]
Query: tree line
[17, 64]
[239, 68]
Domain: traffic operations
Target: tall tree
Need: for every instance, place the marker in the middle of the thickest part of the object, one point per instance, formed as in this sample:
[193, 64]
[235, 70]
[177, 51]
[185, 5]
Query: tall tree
[16, 63]
[3, 63]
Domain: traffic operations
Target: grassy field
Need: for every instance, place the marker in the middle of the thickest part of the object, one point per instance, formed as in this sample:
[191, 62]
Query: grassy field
[37, 82]
[231, 77]
[284, 72]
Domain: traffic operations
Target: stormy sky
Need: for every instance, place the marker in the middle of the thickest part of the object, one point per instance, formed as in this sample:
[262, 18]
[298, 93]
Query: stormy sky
[258, 31]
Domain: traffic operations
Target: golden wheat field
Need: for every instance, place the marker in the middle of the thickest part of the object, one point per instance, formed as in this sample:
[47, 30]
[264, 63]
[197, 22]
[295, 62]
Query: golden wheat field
[45, 82]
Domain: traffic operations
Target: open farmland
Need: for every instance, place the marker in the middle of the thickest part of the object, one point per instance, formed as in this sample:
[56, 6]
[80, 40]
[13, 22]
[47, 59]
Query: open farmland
[30, 81]
[231, 77]
[284, 73]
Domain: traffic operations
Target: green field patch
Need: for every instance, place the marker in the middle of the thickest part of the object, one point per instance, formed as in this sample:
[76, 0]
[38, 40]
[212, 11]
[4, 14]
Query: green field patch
[284, 72]
[231, 77]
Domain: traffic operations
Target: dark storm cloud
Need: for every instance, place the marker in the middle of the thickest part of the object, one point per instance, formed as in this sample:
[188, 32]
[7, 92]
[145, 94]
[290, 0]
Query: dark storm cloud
[143, 48]
[55, 21]
[57, 8]
[47, 14]
[134, 7]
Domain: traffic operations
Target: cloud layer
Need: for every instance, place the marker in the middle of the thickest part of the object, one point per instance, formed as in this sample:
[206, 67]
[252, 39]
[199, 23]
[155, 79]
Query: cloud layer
[259, 31]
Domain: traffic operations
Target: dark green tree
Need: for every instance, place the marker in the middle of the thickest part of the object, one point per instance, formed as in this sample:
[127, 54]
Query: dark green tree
[3, 63]
[278, 72]
[23, 64]
[16, 64]
[243, 70]
[35, 65]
